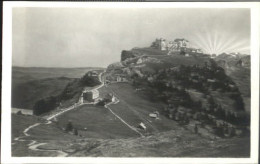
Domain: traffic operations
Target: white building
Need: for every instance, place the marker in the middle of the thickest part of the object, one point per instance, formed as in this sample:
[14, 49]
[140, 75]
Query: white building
[90, 95]
[163, 44]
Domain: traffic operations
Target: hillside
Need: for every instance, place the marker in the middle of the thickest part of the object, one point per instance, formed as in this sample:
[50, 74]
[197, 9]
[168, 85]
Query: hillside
[149, 104]
[24, 74]
[103, 135]
[238, 68]
[194, 87]
[69, 96]
[31, 84]
[25, 95]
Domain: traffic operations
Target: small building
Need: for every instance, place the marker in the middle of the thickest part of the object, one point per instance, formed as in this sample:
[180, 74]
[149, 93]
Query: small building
[111, 97]
[142, 126]
[182, 43]
[163, 45]
[199, 51]
[90, 95]
[121, 78]
[81, 99]
[211, 80]
[150, 79]
[154, 114]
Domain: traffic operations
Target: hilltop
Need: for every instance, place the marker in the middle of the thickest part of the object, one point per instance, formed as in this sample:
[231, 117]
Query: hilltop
[190, 85]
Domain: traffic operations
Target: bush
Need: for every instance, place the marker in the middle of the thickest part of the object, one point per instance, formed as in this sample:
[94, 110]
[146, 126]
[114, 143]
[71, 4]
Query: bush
[90, 81]
[69, 127]
[45, 105]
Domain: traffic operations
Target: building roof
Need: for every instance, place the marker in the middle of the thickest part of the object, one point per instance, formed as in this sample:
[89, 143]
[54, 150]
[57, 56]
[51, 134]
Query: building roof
[177, 40]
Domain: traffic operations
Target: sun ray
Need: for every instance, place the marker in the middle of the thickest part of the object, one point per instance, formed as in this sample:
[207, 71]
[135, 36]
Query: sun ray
[236, 45]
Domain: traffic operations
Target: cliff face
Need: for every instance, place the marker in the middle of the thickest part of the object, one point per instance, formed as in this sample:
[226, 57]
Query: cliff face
[126, 54]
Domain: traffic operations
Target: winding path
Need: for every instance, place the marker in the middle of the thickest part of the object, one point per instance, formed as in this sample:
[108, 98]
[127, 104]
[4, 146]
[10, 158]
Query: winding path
[33, 145]
[123, 121]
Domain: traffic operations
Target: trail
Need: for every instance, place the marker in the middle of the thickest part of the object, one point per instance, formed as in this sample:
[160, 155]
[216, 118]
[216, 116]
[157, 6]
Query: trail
[122, 120]
[145, 120]
[79, 103]
[33, 145]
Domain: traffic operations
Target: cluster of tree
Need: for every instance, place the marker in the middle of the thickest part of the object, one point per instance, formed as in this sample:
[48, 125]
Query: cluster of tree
[155, 44]
[173, 113]
[126, 54]
[45, 105]
[170, 85]
[70, 128]
[72, 89]
[90, 81]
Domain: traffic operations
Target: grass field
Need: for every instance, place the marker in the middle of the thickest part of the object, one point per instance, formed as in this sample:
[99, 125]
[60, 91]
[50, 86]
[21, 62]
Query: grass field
[20, 122]
[135, 108]
[98, 121]
[107, 136]
[174, 143]
[132, 108]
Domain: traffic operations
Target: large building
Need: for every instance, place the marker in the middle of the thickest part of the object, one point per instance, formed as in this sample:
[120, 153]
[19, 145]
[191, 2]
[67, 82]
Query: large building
[90, 95]
[176, 45]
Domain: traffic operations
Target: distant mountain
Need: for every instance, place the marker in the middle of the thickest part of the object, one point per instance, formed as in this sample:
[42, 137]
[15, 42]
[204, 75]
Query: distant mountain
[26, 94]
[31, 84]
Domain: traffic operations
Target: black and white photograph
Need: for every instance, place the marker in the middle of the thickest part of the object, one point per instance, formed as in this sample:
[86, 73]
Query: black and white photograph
[131, 81]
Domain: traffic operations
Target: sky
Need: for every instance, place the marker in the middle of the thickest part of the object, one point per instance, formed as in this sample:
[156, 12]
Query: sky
[84, 37]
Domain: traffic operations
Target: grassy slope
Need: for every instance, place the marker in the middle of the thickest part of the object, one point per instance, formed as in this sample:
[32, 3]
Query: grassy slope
[100, 123]
[174, 143]
[50, 134]
[107, 136]
[135, 108]
[20, 122]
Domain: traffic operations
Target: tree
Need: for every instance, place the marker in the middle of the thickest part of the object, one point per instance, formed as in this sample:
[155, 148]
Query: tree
[45, 105]
[75, 132]
[91, 81]
[182, 53]
[39, 107]
[155, 44]
[19, 112]
[69, 127]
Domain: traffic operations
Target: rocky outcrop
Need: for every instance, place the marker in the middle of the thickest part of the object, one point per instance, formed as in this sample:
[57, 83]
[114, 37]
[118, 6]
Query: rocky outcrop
[126, 54]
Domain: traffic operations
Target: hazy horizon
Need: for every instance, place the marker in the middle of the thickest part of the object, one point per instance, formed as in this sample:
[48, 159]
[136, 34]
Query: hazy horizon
[78, 37]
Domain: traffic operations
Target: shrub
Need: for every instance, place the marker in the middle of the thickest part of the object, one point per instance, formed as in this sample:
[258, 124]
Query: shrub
[90, 81]
[69, 127]
[45, 105]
